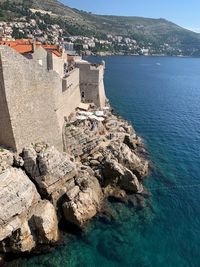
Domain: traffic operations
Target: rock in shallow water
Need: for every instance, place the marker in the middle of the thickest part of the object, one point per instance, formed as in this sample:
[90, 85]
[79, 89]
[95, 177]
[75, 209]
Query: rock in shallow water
[116, 174]
[83, 201]
[130, 183]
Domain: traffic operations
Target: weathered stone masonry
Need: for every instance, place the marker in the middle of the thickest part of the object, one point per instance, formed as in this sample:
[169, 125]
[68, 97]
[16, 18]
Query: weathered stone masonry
[92, 84]
[29, 92]
[36, 97]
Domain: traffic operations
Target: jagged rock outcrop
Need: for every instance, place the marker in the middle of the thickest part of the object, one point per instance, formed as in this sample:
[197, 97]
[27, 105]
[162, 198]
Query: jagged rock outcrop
[80, 141]
[17, 195]
[129, 182]
[64, 183]
[116, 174]
[51, 170]
[114, 158]
[41, 186]
[83, 200]
[125, 157]
[18, 199]
[44, 221]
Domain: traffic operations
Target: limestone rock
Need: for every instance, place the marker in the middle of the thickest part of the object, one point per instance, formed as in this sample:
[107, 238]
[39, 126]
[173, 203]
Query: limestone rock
[115, 192]
[25, 220]
[114, 139]
[27, 242]
[127, 158]
[130, 141]
[83, 201]
[6, 159]
[18, 161]
[8, 228]
[133, 162]
[17, 195]
[29, 156]
[112, 170]
[45, 222]
[21, 240]
[116, 174]
[80, 140]
[129, 182]
[67, 184]
[51, 170]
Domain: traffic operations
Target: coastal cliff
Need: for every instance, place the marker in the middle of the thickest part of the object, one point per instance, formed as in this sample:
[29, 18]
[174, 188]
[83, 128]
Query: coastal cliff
[40, 187]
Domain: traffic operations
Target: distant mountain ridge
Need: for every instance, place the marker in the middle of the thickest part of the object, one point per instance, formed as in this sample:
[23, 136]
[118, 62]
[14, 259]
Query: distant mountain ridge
[158, 32]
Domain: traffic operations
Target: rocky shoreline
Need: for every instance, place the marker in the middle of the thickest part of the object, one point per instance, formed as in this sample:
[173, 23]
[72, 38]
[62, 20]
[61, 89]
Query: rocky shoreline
[41, 187]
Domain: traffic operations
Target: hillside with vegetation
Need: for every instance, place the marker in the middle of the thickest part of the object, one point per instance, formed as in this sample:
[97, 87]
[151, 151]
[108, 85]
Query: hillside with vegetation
[128, 35]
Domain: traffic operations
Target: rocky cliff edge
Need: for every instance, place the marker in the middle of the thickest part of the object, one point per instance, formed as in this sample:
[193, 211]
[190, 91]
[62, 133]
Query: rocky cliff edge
[41, 186]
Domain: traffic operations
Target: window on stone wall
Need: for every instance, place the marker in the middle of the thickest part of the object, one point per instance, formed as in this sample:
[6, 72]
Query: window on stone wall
[82, 94]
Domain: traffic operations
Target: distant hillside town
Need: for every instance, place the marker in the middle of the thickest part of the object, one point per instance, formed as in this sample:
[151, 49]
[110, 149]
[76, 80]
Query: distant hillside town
[53, 34]
[23, 22]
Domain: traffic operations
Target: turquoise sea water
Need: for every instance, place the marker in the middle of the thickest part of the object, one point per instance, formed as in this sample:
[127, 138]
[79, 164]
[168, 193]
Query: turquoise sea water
[161, 97]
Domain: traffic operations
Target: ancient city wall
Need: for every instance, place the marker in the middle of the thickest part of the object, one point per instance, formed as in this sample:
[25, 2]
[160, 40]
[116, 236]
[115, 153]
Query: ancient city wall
[49, 60]
[29, 91]
[58, 65]
[36, 98]
[40, 55]
[6, 132]
[68, 97]
[91, 84]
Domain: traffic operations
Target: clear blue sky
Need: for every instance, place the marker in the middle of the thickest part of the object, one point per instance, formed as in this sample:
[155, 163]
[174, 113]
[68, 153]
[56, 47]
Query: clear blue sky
[186, 13]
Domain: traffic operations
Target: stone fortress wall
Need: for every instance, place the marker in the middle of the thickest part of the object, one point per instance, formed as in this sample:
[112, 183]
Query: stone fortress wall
[28, 90]
[40, 55]
[92, 83]
[68, 98]
[6, 133]
[35, 96]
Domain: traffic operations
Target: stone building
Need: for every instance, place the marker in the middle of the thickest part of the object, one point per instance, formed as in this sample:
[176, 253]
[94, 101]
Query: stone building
[38, 90]
[92, 83]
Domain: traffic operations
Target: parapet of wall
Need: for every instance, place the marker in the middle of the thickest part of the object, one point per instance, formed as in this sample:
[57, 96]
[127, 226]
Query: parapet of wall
[58, 65]
[49, 60]
[40, 55]
[91, 84]
[29, 92]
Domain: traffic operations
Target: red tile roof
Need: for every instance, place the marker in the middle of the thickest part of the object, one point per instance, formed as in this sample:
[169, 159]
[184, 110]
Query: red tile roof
[26, 46]
[57, 53]
[54, 49]
[21, 46]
